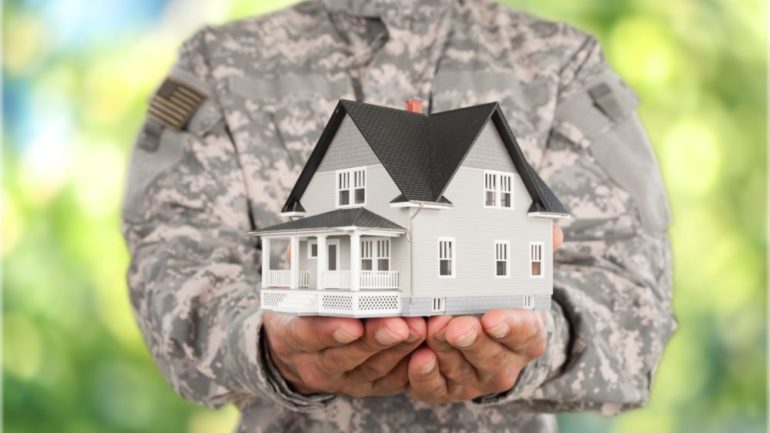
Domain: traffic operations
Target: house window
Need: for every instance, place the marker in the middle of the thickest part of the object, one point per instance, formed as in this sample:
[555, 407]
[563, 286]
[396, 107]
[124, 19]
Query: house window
[312, 250]
[446, 257]
[490, 186]
[535, 259]
[375, 255]
[351, 187]
[437, 305]
[501, 258]
[498, 190]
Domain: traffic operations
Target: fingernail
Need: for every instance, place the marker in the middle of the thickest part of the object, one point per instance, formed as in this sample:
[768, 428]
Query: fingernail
[428, 367]
[500, 330]
[386, 337]
[343, 336]
[466, 339]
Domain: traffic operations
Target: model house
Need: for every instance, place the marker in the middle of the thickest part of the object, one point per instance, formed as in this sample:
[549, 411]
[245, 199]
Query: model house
[402, 213]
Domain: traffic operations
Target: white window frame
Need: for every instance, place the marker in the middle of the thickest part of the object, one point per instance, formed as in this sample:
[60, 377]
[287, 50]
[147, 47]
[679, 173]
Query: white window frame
[535, 249]
[310, 255]
[355, 179]
[452, 259]
[498, 182]
[374, 253]
[438, 305]
[506, 253]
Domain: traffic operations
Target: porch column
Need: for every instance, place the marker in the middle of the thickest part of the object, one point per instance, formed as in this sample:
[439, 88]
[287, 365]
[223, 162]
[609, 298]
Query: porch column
[355, 260]
[265, 261]
[322, 260]
[294, 248]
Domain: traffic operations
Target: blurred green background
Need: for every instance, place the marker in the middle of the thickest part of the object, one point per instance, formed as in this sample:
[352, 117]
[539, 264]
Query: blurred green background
[76, 77]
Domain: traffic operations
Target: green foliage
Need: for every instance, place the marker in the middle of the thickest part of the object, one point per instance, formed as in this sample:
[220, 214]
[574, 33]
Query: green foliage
[73, 359]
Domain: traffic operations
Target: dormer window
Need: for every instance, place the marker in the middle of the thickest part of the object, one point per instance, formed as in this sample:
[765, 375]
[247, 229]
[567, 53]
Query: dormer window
[498, 189]
[351, 187]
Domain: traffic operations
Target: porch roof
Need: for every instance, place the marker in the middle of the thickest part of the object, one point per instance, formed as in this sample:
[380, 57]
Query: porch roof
[350, 218]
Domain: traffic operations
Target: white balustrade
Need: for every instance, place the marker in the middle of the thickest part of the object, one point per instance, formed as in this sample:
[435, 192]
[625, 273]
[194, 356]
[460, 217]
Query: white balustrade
[367, 279]
[379, 280]
[282, 278]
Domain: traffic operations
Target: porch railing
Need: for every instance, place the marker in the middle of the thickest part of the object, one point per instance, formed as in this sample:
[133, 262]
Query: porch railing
[282, 278]
[379, 280]
[367, 279]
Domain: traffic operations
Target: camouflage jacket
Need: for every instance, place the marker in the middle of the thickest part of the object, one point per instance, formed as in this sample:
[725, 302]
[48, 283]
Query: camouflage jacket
[270, 83]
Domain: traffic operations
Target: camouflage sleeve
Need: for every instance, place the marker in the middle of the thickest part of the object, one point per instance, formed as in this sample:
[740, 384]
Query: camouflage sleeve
[611, 315]
[194, 274]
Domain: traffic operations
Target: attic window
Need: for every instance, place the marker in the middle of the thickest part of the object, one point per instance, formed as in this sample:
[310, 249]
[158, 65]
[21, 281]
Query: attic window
[498, 191]
[351, 187]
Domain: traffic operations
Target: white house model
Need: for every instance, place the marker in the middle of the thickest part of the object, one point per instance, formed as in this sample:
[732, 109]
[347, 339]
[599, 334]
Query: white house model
[401, 213]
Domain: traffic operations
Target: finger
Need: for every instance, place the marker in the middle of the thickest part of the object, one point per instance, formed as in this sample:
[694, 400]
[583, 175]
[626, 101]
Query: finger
[426, 382]
[379, 334]
[312, 333]
[452, 364]
[489, 357]
[380, 364]
[558, 237]
[521, 331]
[392, 383]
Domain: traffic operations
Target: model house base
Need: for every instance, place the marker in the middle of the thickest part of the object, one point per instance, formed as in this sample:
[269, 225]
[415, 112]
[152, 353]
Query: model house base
[384, 303]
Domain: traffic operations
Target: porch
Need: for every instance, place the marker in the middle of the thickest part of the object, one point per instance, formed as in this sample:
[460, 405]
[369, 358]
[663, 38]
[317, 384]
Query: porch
[347, 249]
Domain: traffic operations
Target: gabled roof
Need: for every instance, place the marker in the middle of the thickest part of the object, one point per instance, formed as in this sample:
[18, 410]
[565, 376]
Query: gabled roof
[423, 152]
[358, 217]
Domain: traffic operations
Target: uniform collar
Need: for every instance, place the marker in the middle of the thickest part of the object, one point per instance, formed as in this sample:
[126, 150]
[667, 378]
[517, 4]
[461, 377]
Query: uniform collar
[388, 8]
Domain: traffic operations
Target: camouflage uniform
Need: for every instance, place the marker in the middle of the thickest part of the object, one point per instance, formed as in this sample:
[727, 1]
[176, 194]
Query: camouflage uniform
[271, 83]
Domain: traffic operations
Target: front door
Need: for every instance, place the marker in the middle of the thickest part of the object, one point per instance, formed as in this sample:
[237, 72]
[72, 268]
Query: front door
[333, 256]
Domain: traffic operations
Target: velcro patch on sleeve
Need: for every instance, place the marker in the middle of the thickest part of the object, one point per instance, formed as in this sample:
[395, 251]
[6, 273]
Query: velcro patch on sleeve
[174, 104]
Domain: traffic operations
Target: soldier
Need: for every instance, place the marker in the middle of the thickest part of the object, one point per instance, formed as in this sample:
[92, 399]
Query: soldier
[229, 130]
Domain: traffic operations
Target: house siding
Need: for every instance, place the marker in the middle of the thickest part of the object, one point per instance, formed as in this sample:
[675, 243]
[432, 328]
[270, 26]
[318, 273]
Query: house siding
[348, 149]
[489, 152]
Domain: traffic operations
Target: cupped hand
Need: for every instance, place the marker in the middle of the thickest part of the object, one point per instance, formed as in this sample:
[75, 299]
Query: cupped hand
[468, 357]
[342, 355]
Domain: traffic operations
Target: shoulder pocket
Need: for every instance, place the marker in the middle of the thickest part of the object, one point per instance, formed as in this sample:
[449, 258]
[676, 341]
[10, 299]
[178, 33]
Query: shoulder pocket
[155, 151]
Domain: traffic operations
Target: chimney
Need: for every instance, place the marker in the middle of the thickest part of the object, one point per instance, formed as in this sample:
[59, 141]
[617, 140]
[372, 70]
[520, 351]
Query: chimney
[414, 105]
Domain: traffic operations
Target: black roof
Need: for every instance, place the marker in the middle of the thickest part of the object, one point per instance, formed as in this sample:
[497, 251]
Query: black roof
[422, 152]
[350, 217]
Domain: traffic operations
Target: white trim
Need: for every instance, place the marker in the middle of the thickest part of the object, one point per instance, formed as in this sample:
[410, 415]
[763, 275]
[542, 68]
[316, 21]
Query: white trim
[293, 214]
[331, 231]
[310, 244]
[452, 252]
[533, 253]
[551, 215]
[498, 180]
[422, 204]
[507, 258]
[352, 180]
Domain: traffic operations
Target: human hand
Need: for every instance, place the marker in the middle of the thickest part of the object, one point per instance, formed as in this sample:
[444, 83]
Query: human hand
[467, 357]
[342, 355]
